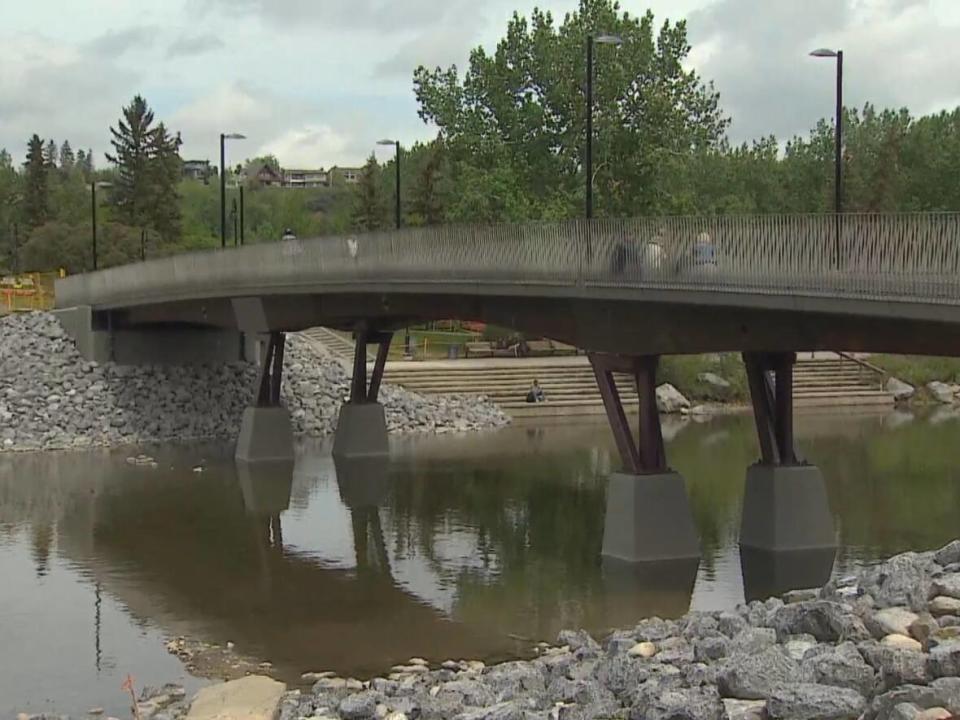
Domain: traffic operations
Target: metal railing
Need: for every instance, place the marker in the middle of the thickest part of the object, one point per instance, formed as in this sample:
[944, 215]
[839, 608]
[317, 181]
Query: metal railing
[906, 257]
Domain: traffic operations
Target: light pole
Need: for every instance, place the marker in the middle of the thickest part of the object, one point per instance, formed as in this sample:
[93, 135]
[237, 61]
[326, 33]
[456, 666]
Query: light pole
[396, 143]
[838, 144]
[603, 40]
[223, 184]
[93, 214]
[241, 213]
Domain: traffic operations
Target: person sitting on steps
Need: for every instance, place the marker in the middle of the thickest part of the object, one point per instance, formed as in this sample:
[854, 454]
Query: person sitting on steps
[536, 394]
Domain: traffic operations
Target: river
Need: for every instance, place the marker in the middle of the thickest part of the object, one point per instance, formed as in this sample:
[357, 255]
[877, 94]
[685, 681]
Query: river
[472, 546]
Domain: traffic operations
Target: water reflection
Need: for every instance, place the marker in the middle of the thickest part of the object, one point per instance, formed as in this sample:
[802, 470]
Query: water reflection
[457, 547]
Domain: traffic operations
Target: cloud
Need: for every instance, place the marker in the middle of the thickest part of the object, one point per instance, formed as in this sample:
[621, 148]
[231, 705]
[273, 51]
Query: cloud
[298, 133]
[194, 45]
[59, 91]
[116, 42]
[757, 55]
[365, 15]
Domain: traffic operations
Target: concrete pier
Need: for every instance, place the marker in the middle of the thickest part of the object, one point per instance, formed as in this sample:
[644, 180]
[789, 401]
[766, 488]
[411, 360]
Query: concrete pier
[361, 431]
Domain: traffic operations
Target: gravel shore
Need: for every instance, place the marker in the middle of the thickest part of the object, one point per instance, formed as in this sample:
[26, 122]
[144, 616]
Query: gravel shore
[52, 399]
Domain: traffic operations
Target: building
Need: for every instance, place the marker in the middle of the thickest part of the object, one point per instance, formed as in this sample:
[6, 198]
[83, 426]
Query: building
[198, 170]
[266, 176]
[350, 176]
[305, 178]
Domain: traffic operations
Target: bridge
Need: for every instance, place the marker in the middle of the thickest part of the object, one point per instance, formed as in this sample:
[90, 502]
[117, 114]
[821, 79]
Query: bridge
[627, 291]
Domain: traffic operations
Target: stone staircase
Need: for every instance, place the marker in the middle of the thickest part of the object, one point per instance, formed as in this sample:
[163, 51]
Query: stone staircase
[337, 343]
[571, 389]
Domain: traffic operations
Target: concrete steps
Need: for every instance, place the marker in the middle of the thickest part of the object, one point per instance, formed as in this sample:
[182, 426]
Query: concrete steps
[339, 344]
[571, 389]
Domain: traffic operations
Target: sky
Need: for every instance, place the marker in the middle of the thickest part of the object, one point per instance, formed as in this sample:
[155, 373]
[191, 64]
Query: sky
[318, 82]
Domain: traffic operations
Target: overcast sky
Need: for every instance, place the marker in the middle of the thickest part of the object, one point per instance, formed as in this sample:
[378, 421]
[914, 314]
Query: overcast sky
[317, 82]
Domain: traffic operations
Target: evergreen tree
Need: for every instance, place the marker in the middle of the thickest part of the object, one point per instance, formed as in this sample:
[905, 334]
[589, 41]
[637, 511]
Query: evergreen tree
[35, 196]
[132, 139]
[67, 158]
[148, 170]
[51, 154]
[427, 202]
[165, 168]
[368, 210]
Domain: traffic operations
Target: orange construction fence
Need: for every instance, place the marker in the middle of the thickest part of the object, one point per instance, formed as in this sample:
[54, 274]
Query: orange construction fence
[32, 291]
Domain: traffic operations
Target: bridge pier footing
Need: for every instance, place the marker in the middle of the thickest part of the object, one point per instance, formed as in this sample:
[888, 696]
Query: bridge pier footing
[362, 425]
[266, 433]
[785, 506]
[648, 512]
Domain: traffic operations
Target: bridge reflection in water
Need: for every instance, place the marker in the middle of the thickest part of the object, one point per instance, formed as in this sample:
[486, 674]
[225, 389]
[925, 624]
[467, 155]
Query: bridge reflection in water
[447, 549]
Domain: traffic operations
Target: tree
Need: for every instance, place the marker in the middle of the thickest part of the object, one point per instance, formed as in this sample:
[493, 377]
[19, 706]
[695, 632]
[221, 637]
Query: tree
[369, 207]
[35, 198]
[428, 202]
[522, 110]
[148, 169]
[67, 158]
[51, 154]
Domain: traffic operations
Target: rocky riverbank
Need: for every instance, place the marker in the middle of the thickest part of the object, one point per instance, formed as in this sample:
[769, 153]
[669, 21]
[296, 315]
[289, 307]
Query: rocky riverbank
[881, 646]
[52, 399]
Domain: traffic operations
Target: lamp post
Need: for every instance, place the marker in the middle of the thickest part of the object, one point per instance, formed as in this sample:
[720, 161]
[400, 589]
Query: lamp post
[241, 213]
[838, 143]
[602, 40]
[395, 143]
[223, 184]
[93, 214]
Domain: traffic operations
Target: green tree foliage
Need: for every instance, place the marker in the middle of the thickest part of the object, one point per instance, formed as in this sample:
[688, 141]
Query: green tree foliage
[35, 198]
[69, 246]
[67, 158]
[148, 168]
[10, 209]
[369, 208]
[51, 154]
[521, 111]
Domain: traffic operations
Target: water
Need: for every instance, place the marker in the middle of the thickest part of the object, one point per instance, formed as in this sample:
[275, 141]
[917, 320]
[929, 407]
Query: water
[464, 547]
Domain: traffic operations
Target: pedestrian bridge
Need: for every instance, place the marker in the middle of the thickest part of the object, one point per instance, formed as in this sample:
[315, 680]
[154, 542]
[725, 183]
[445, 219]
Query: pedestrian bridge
[627, 291]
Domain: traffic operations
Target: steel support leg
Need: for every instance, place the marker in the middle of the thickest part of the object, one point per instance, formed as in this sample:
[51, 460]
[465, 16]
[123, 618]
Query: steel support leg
[648, 513]
[785, 504]
[362, 426]
[266, 434]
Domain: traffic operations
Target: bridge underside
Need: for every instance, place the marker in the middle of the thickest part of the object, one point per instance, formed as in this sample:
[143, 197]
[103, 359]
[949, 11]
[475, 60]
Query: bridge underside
[663, 324]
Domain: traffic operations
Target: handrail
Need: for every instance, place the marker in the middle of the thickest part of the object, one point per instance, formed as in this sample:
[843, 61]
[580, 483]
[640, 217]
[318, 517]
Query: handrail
[864, 365]
[894, 257]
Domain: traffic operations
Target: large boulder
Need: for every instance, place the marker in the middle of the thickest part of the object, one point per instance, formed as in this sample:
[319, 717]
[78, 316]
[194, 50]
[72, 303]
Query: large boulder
[826, 620]
[903, 580]
[895, 667]
[941, 392]
[251, 698]
[702, 703]
[714, 381]
[806, 701]
[671, 400]
[944, 659]
[948, 585]
[840, 666]
[900, 390]
[944, 692]
[895, 620]
[752, 676]
[948, 554]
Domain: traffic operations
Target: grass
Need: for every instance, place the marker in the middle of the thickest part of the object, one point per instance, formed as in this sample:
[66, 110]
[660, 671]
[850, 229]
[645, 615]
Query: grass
[684, 371]
[918, 370]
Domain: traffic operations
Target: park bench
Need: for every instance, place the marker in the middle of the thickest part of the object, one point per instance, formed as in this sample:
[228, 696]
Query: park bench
[479, 349]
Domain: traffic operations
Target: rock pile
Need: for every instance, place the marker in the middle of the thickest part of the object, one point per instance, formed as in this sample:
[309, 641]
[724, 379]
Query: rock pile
[884, 646]
[50, 398]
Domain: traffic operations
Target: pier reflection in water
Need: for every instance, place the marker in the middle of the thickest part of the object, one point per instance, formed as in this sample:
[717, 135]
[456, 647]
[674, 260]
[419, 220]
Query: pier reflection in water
[473, 546]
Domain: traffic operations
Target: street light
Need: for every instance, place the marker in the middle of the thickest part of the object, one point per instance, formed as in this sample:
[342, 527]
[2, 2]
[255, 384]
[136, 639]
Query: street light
[103, 184]
[223, 184]
[838, 144]
[603, 40]
[397, 144]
